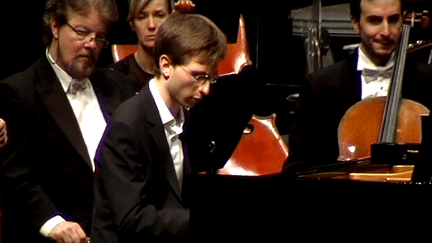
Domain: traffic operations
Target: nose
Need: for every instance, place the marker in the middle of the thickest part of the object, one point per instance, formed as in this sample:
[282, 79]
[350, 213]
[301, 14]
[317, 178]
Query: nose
[205, 89]
[91, 42]
[385, 31]
[151, 23]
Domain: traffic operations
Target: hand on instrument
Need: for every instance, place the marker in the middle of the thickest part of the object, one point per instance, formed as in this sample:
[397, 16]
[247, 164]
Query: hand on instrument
[3, 134]
[68, 232]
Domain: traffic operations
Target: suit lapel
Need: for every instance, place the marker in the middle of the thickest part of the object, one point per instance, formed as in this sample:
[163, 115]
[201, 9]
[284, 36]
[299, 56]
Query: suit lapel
[351, 80]
[106, 95]
[58, 106]
[158, 135]
[187, 165]
[357, 74]
[166, 160]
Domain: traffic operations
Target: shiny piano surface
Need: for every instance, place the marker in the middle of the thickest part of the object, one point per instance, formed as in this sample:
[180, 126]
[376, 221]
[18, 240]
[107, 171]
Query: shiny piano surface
[326, 204]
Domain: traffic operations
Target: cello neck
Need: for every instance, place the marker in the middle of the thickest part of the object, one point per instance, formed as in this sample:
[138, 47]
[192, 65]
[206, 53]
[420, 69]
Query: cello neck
[394, 97]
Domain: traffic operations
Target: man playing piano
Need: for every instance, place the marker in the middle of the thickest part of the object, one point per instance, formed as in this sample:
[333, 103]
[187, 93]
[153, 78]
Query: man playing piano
[328, 93]
[140, 169]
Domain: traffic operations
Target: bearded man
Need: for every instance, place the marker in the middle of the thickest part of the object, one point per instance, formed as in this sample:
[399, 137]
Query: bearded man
[56, 112]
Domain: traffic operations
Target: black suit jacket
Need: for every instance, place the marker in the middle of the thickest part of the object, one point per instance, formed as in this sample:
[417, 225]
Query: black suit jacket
[325, 97]
[46, 169]
[137, 195]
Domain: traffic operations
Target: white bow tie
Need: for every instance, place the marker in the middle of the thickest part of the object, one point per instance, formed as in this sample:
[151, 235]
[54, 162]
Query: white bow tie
[372, 74]
[76, 86]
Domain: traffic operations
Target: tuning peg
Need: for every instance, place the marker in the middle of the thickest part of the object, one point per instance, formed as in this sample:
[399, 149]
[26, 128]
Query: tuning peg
[418, 18]
[425, 20]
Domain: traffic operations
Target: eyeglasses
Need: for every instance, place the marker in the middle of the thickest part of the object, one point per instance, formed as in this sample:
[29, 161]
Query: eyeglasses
[201, 78]
[83, 35]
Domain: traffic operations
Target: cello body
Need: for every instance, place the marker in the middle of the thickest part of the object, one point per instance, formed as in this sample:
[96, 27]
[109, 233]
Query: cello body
[361, 125]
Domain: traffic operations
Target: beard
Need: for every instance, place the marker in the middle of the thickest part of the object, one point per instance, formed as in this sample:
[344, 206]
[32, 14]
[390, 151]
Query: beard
[82, 67]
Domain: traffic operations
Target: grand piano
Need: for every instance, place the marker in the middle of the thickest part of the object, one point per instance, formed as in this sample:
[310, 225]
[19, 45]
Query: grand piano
[326, 205]
[387, 197]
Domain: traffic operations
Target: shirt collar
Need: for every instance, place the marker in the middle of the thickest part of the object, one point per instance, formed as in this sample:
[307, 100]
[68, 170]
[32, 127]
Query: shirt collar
[365, 62]
[164, 112]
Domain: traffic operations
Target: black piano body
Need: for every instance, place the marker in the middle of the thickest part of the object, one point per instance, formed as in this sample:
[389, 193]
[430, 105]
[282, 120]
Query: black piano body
[322, 205]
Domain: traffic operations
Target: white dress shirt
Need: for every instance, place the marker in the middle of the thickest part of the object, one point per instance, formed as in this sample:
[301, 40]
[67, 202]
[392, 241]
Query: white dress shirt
[90, 118]
[375, 80]
[173, 128]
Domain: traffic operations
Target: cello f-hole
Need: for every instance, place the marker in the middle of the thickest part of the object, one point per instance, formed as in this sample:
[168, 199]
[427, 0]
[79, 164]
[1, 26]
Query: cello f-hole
[248, 129]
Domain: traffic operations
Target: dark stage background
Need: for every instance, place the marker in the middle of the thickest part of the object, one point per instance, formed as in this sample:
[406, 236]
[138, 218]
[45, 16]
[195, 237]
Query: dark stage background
[267, 23]
[278, 55]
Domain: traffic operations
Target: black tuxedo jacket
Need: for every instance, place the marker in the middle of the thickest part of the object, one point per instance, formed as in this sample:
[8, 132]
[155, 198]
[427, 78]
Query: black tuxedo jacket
[137, 195]
[325, 97]
[46, 169]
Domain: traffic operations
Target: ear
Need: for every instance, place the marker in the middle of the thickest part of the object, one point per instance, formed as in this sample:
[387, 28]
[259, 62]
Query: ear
[132, 25]
[55, 28]
[356, 24]
[165, 66]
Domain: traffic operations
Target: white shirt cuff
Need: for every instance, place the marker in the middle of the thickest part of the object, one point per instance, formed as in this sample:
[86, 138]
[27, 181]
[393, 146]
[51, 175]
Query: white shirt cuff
[45, 230]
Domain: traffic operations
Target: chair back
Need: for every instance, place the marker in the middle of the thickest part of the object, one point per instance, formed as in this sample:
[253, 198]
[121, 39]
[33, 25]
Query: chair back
[120, 52]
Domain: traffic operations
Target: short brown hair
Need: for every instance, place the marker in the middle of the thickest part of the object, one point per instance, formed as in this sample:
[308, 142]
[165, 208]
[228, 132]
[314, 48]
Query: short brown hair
[355, 8]
[137, 5]
[184, 37]
[58, 10]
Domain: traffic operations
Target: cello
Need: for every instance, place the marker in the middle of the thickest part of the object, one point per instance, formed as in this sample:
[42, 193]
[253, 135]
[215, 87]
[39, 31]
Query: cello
[385, 120]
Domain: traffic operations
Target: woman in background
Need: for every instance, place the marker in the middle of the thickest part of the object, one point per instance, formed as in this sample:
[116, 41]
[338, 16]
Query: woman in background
[145, 18]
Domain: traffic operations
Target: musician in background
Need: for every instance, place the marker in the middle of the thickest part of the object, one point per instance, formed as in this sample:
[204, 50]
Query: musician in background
[328, 93]
[56, 112]
[145, 18]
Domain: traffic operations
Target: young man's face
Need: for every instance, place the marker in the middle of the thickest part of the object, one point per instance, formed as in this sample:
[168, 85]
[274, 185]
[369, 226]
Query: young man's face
[379, 28]
[186, 84]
